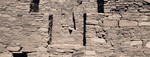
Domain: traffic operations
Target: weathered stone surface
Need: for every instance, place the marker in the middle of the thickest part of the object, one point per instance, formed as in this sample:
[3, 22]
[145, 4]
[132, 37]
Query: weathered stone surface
[58, 29]
[127, 23]
[90, 52]
[99, 40]
[148, 44]
[28, 49]
[147, 1]
[136, 43]
[13, 49]
[92, 22]
[144, 24]
[43, 29]
[41, 49]
[110, 23]
[5, 55]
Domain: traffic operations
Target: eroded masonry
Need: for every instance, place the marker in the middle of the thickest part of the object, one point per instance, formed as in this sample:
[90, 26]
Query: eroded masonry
[74, 28]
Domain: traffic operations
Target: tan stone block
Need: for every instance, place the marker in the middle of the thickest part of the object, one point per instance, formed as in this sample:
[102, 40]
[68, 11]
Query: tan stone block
[5, 55]
[144, 24]
[127, 23]
[98, 40]
[41, 49]
[43, 29]
[136, 43]
[110, 23]
[92, 22]
[148, 45]
[13, 48]
[147, 1]
[28, 49]
[90, 52]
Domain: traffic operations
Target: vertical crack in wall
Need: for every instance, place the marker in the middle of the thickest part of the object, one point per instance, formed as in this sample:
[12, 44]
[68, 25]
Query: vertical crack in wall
[34, 6]
[84, 29]
[100, 7]
[50, 28]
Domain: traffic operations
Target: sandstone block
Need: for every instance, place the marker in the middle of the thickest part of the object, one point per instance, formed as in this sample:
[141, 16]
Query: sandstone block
[13, 48]
[98, 40]
[43, 29]
[144, 24]
[5, 55]
[147, 1]
[136, 43]
[28, 49]
[41, 49]
[90, 52]
[127, 23]
[92, 22]
[110, 23]
[148, 45]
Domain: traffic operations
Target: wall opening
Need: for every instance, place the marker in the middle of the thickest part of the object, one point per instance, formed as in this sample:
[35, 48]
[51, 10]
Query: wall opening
[24, 54]
[34, 6]
[74, 21]
[50, 28]
[84, 29]
[100, 7]
[79, 2]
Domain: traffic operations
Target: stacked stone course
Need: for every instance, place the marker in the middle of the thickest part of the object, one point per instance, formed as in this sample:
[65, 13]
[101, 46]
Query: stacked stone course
[74, 28]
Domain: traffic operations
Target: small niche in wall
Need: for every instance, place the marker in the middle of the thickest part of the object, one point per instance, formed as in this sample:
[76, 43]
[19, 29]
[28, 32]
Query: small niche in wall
[100, 4]
[20, 54]
[34, 6]
[84, 29]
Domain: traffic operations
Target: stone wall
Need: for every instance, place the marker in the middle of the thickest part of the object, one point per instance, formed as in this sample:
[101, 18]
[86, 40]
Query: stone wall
[74, 28]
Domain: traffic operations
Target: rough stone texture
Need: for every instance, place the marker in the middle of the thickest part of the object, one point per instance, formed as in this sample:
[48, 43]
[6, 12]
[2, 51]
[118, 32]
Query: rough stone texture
[74, 28]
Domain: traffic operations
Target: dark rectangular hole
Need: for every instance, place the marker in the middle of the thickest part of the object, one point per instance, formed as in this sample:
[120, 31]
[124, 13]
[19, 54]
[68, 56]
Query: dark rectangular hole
[20, 54]
[84, 29]
[100, 7]
[50, 28]
[74, 21]
[34, 6]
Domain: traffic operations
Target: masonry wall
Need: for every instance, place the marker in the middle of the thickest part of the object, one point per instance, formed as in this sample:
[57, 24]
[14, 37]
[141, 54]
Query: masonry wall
[74, 28]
